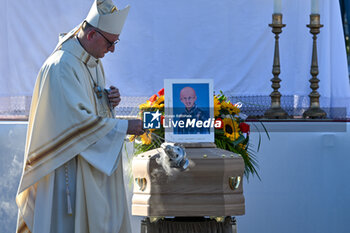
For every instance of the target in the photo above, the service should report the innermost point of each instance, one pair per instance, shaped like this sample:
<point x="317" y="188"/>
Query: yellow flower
<point x="159" y="100"/>
<point x="224" y="105"/>
<point x="242" y="146"/>
<point x="230" y="107"/>
<point x="158" y="106"/>
<point x="146" y="138"/>
<point x="231" y="129"/>
<point x="132" y="138"/>
<point x="145" y="105"/>
<point x="217" y="106"/>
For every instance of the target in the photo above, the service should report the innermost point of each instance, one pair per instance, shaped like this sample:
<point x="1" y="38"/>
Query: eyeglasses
<point x="109" y="42"/>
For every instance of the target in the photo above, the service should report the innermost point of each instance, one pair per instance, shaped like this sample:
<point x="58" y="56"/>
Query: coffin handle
<point x="142" y="183"/>
<point x="234" y="182"/>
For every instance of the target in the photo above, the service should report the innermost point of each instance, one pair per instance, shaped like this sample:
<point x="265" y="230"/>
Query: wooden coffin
<point x="211" y="186"/>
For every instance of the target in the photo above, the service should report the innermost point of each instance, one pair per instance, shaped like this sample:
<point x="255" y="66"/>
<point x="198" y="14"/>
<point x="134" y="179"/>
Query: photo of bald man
<point x="188" y="97"/>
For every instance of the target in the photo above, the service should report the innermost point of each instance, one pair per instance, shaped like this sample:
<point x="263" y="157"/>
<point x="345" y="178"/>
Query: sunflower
<point x="217" y="106"/>
<point x="231" y="129"/>
<point x="230" y="107"/>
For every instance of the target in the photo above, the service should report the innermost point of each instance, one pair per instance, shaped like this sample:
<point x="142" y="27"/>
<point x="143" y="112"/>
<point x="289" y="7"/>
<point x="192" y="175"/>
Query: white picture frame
<point x="180" y="106"/>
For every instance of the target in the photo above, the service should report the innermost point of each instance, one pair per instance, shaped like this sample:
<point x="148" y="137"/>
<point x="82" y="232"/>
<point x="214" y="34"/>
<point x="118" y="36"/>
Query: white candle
<point x="315" y="7"/>
<point x="277" y="6"/>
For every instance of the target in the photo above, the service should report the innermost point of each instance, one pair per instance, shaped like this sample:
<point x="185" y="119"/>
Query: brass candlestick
<point x="275" y="111"/>
<point x="314" y="110"/>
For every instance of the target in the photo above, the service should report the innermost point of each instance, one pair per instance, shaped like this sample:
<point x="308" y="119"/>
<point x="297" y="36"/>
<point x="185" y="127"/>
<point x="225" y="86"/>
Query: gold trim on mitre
<point x="114" y="9"/>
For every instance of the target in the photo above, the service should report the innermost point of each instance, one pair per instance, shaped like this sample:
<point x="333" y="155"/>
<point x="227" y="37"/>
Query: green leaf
<point x="239" y="140"/>
<point x="267" y="133"/>
<point x="259" y="136"/>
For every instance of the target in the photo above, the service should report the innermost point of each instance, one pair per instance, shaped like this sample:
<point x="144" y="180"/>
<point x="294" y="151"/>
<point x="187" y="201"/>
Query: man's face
<point x="102" y="43"/>
<point x="188" y="97"/>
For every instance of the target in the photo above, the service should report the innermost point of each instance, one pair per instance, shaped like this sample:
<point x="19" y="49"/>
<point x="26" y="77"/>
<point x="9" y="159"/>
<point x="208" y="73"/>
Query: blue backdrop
<point x="202" y="92"/>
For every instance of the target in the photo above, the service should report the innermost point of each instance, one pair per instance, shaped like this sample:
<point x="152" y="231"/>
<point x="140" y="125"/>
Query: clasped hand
<point x="114" y="96"/>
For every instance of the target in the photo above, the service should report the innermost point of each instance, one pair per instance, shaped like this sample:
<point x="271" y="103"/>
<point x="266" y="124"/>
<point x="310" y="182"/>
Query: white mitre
<point x="105" y="16"/>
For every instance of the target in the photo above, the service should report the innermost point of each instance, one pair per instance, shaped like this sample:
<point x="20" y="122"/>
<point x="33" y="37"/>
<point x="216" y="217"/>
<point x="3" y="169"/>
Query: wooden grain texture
<point x="199" y="145"/>
<point x="201" y="190"/>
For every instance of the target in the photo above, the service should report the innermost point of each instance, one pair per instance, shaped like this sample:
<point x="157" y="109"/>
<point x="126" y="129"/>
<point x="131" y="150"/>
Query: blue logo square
<point x="151" y="120"/>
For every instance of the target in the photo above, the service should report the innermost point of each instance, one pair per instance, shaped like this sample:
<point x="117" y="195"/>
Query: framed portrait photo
<point x="189" y="110"/>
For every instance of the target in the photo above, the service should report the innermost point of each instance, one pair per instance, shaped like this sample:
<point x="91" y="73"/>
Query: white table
<point x="304" y="186"/>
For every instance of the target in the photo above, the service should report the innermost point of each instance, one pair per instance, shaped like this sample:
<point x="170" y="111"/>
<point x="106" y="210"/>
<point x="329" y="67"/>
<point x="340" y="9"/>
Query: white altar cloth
<point x="227" y="40"/>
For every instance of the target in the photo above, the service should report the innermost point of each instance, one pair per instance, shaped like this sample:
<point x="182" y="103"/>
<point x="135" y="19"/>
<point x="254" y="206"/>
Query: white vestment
<point x="72" y="131"/>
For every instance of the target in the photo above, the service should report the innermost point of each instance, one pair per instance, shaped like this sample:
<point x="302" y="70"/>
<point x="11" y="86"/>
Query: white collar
<point x="74" y="47"/>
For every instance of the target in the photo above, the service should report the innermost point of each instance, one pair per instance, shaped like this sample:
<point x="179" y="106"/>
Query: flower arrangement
<point x="232" y="136"/>
<point x="152" y="138"/>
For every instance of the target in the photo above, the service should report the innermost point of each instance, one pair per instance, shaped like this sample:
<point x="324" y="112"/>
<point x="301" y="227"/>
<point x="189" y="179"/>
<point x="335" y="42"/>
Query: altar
<point x="303" y="185"/>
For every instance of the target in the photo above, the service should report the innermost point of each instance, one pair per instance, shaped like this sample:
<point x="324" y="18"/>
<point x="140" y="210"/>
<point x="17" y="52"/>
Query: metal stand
<point x="144" y="225"/>
<point x="193" y="224"/>
<point x="314" y="110"/>
<point x="234" y="225"/>
<point x="275" y="111"/>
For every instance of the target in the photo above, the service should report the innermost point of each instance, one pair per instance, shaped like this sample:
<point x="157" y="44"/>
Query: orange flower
<point x="160" y="100"/>
<point x="153" y="98"/>
<point x="146" y="138"/>
<point x="132" y="138"/>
